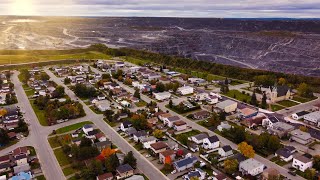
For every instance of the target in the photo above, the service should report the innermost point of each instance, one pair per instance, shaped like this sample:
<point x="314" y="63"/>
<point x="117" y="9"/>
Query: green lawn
<point x="20" y="56"/>
<point x="303" y="99"/>
<point x="40" y="177"/>
<point x="275" y="107"/>
<point x="68" y="170"/>
<point x="141" y="103"/>
<point x="278" y="161"/>
<point x="61" y="157"/>
<point x="40" y="114"/>
<point x="53" y="142"/>
<point x="238" y="95"/>
<point x="72" y="127"/>
<point x="29" y="92"/>
<point x="95" y="110"/>
<point x="287" y="103"/>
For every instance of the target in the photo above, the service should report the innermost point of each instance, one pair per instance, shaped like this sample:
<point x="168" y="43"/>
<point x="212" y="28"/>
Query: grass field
<point x="302" y="99"/>
<point x="20" y="56"/>
<point x="275" y="107"/>
<point x="40" y="177"/>
<point x="40" y="114"/>
<point x="68" y="170"/>
<point x="141" y="103"/>
<point x="287" y="103"/>
<point x="53" y="142"/>
<point x="238" y="95"/>
<point x="61" y="157"/>
<point x="72" y="127"/>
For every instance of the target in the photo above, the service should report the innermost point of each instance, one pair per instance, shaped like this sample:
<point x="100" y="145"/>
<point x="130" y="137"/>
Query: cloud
<point x="176" y="8"/>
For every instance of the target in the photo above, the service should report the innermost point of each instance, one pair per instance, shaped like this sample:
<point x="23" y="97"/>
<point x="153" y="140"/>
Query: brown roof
<point x="201" y="113"/>
<point x="20" y="150"/>
<point x="166" y="115"/>
<point x="153" y="120"/>
<point x="303" y="159"/>
<point x="12" y="134"/>
<point x="168" y="152"/>
<point x="179" y="123"/>
<point x="159" y="113"/>
<point x="105" y="176"/>
<point x="159" y="145"/>
<point x="247" y="111"/>
<point x="99" y="135"/>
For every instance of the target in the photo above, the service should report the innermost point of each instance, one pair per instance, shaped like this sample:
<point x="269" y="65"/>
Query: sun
<point x="22" y="7"/>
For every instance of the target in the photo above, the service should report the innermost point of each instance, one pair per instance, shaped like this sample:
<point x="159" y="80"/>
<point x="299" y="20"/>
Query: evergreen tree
<point x="137" y="94"/>
<point x="112" y="163"/>
<point x="130" y="159"/>
<point x="264" y="101"/>
<point x="253" y="100"/>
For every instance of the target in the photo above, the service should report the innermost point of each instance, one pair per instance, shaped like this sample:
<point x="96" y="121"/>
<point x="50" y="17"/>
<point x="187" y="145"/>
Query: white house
<point x="146" y="141"/>
<point x="301" y="137"/>
<point x="212" y="99"/>
<point x="251" y="167"/>
<point x="161" y="96"/>
<point x="202" y="96"/>
<point x="102" y="105"/>
<point x="87" y="128"/>
<point x="225" y="151"/>
<point x="101" y="97"/>
<point x="223" y="125"/>
<point x="180" y="125"/>
<point x="185" y="90"/>
<point x="302" y="163"/>
<point x="284" y="154"/>
<point x="227" y="106"/>
<point x="100" y="137"/>
<point x="198" y="139"/>
<point x="170" y="120"/>
<point x="211" y="142"/>
<point x="196" y="174"/>
<point x="269" y="122"/>
<point x="125" y="125"/>
<point x="139" y="135"/>
<point x="299" y="115"/>
<point x="312" y="118"/>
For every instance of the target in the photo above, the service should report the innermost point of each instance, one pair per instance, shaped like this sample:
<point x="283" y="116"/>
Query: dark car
<point x="292" y="173"/>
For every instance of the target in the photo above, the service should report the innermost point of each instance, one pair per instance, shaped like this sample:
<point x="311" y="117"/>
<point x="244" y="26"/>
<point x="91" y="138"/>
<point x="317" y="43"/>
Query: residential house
<point x="302" y="163"/>
<point x="102" y="105"/>
<point x="180" y="125"/>
<point x="158" y="147"/>
<point x="253" y="121"/>
<point x="281" y="129"/>
<point x="130" y="131"/>
<point x="20" y="151"/>
<point x="269" y="121"/>
<point x="167" y="154"/>
<point x="139" y="134"/>
<point x="11" y="116"/>
<point x="170" y="120"/>
<point x="103" y="144"/>
<point x="87" y="128"/>
<point x="227" y="106"/>
<point x="152" y="121"/>
<point x="201" y="115"/>
<point x="196" y="174"/>
<point x="185" y="163"/>
<point x="5" y="167"/>
<point x="225" y="151"/>
<point x="198" y="139"/>
<point x="185" y="90"/>
<point x="301" y="137"/>
<point x="247" y="112"/>
<point x="101" y="97"/>
<point x="21" y="159"/>
<point x="220" y="176"/>
<point x="146" y="141"/>
<point x="125" y="125"/>
<point x="211" y="142"/>
<point x="284" y="154"/>
<point x="212" y="99"/>
<point x="251" y="167"/>
<point x="279" y="93"/>
<point x="161" y="96"/>
<point x="224" y="125"/>
<point x="164" y="116"/>
<point x="299" y="115"/>
<point x="312" y="118"/>
<point x="105" y="176"/>
<point x="202" y="96"/>
<point x="21" y="168"/>
<point x="22" y="176"/>
<point x="119" y="64"/>
<point x="4" y="159"/>
<point x="270" y="173"/>
<point x="100" y="137"/>
<point x="124" y="171"/>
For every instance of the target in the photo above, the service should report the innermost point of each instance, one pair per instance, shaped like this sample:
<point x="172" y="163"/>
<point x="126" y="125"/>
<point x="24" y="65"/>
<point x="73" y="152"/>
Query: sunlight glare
<point x="22" y="7"/>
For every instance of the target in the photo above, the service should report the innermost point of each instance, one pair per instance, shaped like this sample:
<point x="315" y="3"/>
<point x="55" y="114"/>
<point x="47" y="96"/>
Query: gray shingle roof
<point x="124" y="168"/>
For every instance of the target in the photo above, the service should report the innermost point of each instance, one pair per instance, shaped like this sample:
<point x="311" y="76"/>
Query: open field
<point x="287" y="103"/>
<point x="238" y="95"/>
<point x="19" y="56"/>
<point x="72" y="127"/>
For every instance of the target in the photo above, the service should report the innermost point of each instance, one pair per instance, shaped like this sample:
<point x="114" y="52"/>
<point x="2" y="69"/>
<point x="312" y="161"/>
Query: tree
<point x="85" y="142"/>
<point x="160" y="87"/>
<point x="231" y="166"/>
<point x="274" y="143"/>
<point x="303" y="128"/>
<point x="222" y="116"/>
<point x="67" y="80"/>
<point x="44" y="76"/>
<point x="3" y="112"/>
<point x="128" y="81"/>
<point x="316" y="162"/>
<point x="246" y="149"/>
<point x="130" y="159"/>
<point x="96" y="167"/>
<point x="58" y="92"/>
<point x="170" y="104"/>
<point x="282" y="81"/>
<point x="4" y="138"/>
<point x="264" y="101"/>
<point x="112" y="163"/>
<point x="158" y="133"/>
<point x="253" y="100"/>
<point x="310" y="173"/>
<point x="304" y="90"/>
<point x="136" y="93"/>
<point x="24" y="76"/>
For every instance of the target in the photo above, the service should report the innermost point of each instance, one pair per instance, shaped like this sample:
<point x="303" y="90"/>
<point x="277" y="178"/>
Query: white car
<point x="148" y="155"/>
<point x="173" y="172"/>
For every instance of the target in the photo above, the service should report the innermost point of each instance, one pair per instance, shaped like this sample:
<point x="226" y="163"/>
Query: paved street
<point x="194" y="125"/>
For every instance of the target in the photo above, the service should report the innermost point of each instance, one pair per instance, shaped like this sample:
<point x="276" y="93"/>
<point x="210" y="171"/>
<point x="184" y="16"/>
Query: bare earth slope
<point x="291" y="46"/>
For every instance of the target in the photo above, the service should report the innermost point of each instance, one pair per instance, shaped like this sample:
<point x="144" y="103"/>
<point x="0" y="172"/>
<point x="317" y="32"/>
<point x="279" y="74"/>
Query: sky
<point x="165" y="8"/>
